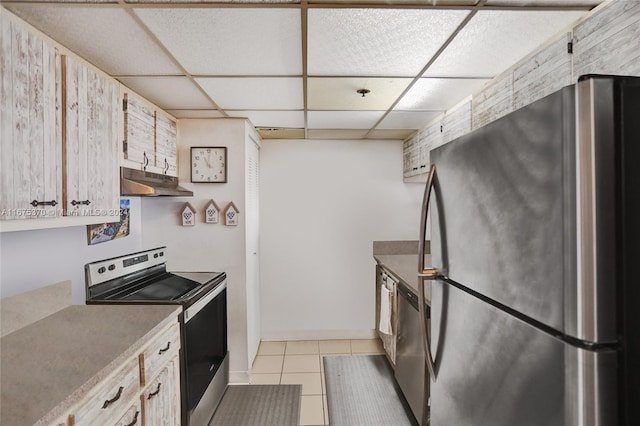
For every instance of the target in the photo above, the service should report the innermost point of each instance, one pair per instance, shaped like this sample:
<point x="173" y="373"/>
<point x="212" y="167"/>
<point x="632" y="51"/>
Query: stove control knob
<point x="101" y="270"/>
<point x="112" y="267"/>
<point x="161" y="253"/>
<point x="155" y="255"/>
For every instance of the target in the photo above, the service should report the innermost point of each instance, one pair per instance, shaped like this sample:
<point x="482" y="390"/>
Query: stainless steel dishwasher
<point x="410" y="370"/>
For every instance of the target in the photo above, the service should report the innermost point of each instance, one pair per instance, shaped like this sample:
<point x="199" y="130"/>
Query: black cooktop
<point x="171" y="287"/>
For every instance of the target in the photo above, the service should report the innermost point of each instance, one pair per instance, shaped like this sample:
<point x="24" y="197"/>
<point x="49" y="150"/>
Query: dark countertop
<point x="47" y="367"/>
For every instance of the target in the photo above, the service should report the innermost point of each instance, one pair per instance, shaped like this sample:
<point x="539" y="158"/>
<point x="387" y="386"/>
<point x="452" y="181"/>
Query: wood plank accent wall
<point x="30" y="121"/>
<point x="603" y="43"/>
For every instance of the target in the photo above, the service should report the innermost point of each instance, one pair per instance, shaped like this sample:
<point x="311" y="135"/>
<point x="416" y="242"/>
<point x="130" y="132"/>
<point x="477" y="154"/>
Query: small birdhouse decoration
<point x="188" y="215"/>
<point x="231" y="215"/>
<point x="212" y="212"/>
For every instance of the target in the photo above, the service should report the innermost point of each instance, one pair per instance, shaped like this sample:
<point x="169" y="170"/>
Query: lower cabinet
<point x="127" y="398"/>
<point x="160" y="401"/>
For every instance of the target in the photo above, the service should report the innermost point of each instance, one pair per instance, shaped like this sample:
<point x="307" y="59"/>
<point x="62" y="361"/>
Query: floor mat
<point x="259" y="405"/>
<point x="361" y="390"/>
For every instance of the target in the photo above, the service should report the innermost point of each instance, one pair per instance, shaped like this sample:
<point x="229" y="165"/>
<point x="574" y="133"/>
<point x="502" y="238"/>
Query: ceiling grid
<point x="295" y="68"/>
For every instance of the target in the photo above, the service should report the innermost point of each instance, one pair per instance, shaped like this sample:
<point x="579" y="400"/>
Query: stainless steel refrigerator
<point x="535" y="308"/>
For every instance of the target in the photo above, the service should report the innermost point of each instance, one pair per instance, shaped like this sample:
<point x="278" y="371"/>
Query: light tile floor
<point x="300" y="362"/>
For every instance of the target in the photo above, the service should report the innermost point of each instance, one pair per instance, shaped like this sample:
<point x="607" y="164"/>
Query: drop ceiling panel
<point x="341" y="93"/>
<point x="408" y="119"/>
<point x="281" y="133"/>
<point x="277" y="119"/>
<point x="390" y="134"/>
<point x="553" y="3"/>
<point x="336" y="134"/>
<point x="168" y="92"/>
<point x="107" y="37"/>
<point x="254" y="93"/>
<point x="494" y="40"/>
<point x="223" y="41"/>
<point x="343" y="119"/>
<point x="376" y="42"/>
<point x="438" y="93"/>
<point x="195" y="113"/>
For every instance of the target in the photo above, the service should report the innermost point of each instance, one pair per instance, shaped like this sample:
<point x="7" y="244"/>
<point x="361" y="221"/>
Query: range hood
<point x="139" y="182"/>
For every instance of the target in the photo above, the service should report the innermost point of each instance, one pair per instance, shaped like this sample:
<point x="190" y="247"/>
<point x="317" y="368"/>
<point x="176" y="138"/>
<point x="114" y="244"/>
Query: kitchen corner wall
<point x="322" y="204"/>
<point x="209" y="247"/>
<point x="34" y="259"/>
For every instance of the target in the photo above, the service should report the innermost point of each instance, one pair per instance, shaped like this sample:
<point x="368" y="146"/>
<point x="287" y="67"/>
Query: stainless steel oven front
<point x="206" y="365"/>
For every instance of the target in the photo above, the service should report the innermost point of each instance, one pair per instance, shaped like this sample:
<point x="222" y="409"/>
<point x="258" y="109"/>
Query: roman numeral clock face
<point x="208" y="164"/>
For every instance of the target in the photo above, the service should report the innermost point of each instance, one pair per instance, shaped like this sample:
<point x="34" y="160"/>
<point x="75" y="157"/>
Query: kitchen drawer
<point x="158" y="353"/>
<point x="111" y="398"/>
<point x="133" y="416"/>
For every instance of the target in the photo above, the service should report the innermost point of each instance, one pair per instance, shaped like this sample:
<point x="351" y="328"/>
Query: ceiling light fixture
<point x="363" y="92"/>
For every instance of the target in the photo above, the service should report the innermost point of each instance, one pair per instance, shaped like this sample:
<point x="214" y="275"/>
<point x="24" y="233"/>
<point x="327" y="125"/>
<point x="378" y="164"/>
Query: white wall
<point x="322" y="204"/>
<point x="208" y="247"/>
<point x="34" y="259"/>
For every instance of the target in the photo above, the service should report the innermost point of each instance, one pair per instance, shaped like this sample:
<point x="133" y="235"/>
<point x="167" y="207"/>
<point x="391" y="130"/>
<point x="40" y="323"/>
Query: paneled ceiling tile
<point x="168" y="92"/>
<point x="281" y="133"/>
<point x="253" y="93"/>
<point x="277" y="119"/>
<point x="494" y="40"/>
<point x="408" y="119"/>
<point x="376" y="42"/>
<point x="439" y="93"/>
<point x="223" y="41"/>
<point x="107" y="37"/>
<point x="343" y="119"/>
<point x="390" y="134"/>
<point x="211" y="1"/>
<point x="337" y="134"/>
<point x="195" y="113"/>
<point x="553" y="3"/>
<point x="341" y="93"/>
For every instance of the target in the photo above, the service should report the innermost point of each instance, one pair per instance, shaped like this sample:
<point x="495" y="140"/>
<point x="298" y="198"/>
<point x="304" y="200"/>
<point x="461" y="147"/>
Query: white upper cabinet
<point x="30" y="123"/>
<point x="91" y="141"/>
<point x="150" y="137"/>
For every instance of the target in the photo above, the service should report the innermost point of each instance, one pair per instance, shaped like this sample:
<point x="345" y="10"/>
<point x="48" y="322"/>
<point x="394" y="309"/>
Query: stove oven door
<point x="205" y="350"/>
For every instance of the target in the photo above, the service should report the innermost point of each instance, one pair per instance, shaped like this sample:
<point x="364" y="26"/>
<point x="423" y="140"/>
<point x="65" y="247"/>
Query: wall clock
<point x="208" y="164"/>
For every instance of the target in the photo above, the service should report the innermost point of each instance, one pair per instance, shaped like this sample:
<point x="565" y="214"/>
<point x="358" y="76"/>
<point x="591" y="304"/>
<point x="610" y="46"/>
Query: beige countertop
<point x="404" y="267"/>
<point x="48" y="366"/>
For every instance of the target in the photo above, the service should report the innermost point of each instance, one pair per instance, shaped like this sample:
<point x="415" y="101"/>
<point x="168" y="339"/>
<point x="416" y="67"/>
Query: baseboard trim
<point x="238" y="377"/>
<point x="318" y="335"/>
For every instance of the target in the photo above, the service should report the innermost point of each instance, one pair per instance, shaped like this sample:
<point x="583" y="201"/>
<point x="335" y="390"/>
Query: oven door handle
<point x="204" y="301"/>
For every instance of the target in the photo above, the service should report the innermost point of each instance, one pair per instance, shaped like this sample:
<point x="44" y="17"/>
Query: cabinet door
<point x="30" y="125"/>
<point x="91" y="142"/>
<point x="139" y="130"/>
<point x="161" y="398"/>
<point x="166" y="145"/>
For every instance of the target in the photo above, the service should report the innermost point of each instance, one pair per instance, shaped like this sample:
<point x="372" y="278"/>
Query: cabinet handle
<point x="165" y="349"/>
<point x="145" y="161"/>
<point x="108" y="402"/>
<point x="78" y="203"/>
<point x="152" y="394"/>
<point x="166" y="166"/>
<point x="36" y="203"/>
<point x="135" y="419"/>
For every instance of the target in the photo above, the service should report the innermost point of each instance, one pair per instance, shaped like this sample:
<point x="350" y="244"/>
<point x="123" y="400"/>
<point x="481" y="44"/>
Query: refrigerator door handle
<point x="425" y="274"/>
